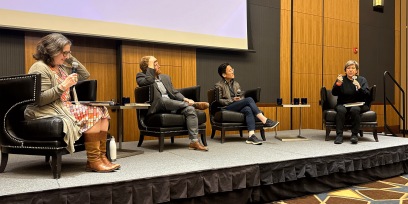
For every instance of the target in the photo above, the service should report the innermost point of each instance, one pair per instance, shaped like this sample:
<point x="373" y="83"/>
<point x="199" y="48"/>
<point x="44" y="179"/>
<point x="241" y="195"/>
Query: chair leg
<point x="375" y="134"/>
<point x="204" y="139"/>
<point x="361" y="133"/>
<point x="4" y="159"/>
<point x="172" y="140"/>
<point x="327" y="133"/>
<point x="47" y="158"/>
<point x="141" y="138"/>
<point x="212" y="133"/>
<point x="56" y="165"/>
<point x="263" y="134"/>
<point x="161" y="143"/>
<point x="222" y="136"/>
<point x="240" y="133"/>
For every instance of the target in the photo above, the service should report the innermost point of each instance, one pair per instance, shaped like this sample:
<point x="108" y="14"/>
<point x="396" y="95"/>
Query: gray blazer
<point x="143" y="79"/>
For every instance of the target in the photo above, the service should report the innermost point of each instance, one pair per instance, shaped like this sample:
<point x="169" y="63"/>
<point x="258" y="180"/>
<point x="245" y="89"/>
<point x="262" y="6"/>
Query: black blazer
<point x="143" y="79"/>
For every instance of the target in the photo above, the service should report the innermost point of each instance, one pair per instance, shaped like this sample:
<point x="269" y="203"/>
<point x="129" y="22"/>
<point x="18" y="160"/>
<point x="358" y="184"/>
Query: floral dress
<point x="88" y="116"/>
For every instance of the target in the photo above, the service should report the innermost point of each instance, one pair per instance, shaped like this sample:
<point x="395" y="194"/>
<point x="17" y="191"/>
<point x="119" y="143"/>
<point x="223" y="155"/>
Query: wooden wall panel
<point x="97" y="55"/>
<point x="177" y="62"/>
<point x="312" y="7"/>
<point x="307" y="61"/>
<point x="284" y="116"/>
<point x="307" y="29"/>
<point x="303" y="63"/>
<point x="346" y="10"/>
<point x="340" y="33"/>
<point x="189" y="72"/>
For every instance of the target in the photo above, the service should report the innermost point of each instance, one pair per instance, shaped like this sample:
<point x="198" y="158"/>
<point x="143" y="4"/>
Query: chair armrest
<point x="192" y="93"/>
<point x="86" y="90"/>
<point x="254" y="94"/>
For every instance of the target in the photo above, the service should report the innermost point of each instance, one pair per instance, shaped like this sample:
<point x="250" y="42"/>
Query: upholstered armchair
<point x="168" y="124"/>
<point x="224" y="120"/>
<point x="328" y="102"/>
<point x="34" y="137"/>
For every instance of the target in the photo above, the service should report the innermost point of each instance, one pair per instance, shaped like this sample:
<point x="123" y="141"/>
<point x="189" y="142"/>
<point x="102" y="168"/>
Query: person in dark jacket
<point x="233" y="101"/>
<point x="167" y="98"/>
<point x="350" y="88"/>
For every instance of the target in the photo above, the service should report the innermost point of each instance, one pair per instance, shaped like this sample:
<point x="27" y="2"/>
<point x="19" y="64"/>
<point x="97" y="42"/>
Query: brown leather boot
<point x="93" y="152"/>
<point x="197" y="146"/>
<point x="201" y="105"/>
<point x="103" y="138"/>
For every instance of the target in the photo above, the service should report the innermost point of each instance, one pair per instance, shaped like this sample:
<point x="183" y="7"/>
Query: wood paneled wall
<point x="324" y="35"/>
<point x="178" y="62"/>
<point x="97" y="55"/>
<point x="307" y="60"/>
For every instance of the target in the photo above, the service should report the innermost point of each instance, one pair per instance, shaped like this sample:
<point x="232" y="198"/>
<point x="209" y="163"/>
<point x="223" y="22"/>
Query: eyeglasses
<point x="66" y="53"/>
<point x="231" y="71"/>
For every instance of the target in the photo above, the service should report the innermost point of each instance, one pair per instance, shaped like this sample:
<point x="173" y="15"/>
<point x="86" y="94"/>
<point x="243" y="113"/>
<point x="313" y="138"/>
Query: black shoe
<point x="270" y="124"/>
<point x="339" y="139"/>
<point x="354" y="139"/>
<point x="253" y="140"/>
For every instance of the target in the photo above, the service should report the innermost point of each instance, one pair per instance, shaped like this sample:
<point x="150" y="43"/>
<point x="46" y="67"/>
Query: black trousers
<point x="354" y="112"/>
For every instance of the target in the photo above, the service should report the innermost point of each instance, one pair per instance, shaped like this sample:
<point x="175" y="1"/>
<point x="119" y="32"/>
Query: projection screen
<point x="209" y="23"/>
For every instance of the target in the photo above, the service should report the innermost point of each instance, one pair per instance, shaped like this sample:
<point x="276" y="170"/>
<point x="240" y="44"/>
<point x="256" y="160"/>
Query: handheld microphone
<point x="74" y="67"/>
<point x="238" y="92"/>
<point x="354" y="79"/>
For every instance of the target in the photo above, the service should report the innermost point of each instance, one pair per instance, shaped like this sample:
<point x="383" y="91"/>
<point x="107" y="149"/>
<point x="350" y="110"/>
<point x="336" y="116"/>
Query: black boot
<point x="354" y="138"/>
<point x="339" y="139"/>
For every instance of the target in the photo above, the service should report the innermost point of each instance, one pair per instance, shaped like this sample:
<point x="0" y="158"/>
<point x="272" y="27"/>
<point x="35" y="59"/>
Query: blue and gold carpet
<point x="387" y="191"/>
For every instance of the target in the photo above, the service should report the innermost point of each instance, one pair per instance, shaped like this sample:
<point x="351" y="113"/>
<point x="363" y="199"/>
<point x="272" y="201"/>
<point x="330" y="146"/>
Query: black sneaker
<point x="253" y="140"/>
<point x="354" y="139"/>
<point x="270" y="124"/>
<point x="339" y="139"/>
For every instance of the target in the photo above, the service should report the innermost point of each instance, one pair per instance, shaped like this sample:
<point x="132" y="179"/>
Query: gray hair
<point x="49" y="47"/>
<point x="351" y="62"/>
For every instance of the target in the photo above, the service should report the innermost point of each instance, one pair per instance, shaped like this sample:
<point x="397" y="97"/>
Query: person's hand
<point x="355" y="82"/>
<point x="237" y="98"/>
<point x="190" y="102"/>
<point x="340" y="79"/>
<point x="70" y="81"/>
<point x="152" y="60"/>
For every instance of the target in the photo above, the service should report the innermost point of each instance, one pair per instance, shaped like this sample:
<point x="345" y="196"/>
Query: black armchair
<point x="35" y="137"/>
<point x="163" y="125"/>
<point x="328" y="102"/>
<point x="224" y="120"/>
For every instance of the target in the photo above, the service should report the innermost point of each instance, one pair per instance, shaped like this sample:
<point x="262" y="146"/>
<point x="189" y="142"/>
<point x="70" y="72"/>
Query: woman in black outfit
<point x="349" y="89"/>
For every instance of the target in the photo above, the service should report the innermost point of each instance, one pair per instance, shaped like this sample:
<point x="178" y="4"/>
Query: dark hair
<point x="49" y="47"/>
<point x="222" y="69"/>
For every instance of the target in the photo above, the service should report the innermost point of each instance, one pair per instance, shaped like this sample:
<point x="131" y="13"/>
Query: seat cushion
<point x="226" y="116"/>
<point x="172" y="119"/>
<point x="47" y="129"/>
<point x="369" y="116"/>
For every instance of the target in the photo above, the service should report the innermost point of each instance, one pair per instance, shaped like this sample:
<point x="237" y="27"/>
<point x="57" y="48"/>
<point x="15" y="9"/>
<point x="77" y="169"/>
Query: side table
<point x="126" y="152"/>
<point x="292" y="137"/>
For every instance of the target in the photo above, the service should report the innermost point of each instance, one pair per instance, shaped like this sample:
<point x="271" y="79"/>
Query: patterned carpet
<point x="387" y="191"/>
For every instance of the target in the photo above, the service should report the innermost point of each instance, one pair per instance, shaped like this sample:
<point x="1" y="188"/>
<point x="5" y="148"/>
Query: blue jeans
<point x="248" y="107"/>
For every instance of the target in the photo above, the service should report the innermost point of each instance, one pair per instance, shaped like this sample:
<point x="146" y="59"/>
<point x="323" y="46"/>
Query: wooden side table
<point x="126" y="152"/>
<point x="292" y="137"/>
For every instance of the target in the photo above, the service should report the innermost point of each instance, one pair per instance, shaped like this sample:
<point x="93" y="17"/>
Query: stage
<point x="233" y="172"/>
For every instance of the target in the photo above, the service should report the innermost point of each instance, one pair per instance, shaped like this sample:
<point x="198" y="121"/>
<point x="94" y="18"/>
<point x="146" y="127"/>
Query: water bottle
<point x="112" y="149"/>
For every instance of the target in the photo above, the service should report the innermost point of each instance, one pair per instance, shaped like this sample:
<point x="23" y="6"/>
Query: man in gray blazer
<point x="167" y="98"/>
